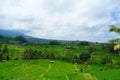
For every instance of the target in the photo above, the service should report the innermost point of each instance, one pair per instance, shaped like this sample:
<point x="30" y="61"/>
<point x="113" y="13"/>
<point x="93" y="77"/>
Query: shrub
<point x="84" y="57"/>
<point x="55" y="42"/>
<point x="106" y="60"/>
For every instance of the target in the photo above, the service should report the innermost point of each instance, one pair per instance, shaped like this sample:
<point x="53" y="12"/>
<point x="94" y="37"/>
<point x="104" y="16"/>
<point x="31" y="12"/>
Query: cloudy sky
<point x="61" y="19"/>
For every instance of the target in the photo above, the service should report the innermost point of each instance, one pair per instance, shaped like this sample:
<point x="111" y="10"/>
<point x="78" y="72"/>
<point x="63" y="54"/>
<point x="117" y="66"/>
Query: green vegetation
<point x="116" y="41"/>
<point x="44" y="70"/>
<point x="58" y="60"/>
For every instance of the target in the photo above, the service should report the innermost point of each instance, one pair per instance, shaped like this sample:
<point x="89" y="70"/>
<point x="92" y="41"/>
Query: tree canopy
<point x="21" y="39"/>
<point x="114" y="28"/>
<point x="116" y="41"/>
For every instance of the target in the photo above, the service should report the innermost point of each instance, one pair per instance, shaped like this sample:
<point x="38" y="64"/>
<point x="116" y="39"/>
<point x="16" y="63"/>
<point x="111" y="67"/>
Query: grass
<point x="44" y="70"/>
<point x="33" y="69"/>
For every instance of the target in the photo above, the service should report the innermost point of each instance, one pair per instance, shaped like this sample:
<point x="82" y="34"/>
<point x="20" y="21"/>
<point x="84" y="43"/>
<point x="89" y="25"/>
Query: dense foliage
<point x="12" y="40"/>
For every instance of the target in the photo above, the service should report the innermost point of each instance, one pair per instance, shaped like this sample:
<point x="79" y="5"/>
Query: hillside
<point x="13" y="33"/>
<point x="58" y="62"/>
<point x="44" y="70"/>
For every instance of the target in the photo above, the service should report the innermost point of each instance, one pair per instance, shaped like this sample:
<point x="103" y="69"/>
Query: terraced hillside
<point x="37" y="70"/>
<point x="57" y="70"/>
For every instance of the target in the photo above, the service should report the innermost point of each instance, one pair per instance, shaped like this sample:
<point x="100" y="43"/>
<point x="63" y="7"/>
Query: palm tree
<point x="114" y="28"/>
<point x="116" y="41"/>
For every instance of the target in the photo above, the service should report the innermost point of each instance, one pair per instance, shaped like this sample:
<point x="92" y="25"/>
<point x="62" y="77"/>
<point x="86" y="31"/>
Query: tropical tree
<point x="116" y="41"/>
<point x="5" y="49"/>
<point x="84" y="57"/>
<point x="55" y="42"/>
<point x="31" y="54"/>
<point x="20" y="39"/>
<point x="114" y="28"/>
<point x="1" y="54"/>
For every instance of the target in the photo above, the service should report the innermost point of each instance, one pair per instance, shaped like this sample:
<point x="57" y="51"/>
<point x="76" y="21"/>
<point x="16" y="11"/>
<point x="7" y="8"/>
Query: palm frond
<point x="114" y="41"/>
<point x="114" y="28"/>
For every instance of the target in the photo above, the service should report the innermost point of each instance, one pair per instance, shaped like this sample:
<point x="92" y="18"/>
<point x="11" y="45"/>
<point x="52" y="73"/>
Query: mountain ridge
<point x="14" y="33"/>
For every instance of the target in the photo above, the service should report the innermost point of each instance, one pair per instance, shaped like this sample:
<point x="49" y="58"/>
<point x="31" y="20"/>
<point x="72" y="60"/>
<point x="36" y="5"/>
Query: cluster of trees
<point x="83" y="43"/>
<point x="45" y="54"/>
<point x="4" y="39"/>
<point x="55" y="42"/>
<point x="20" y="39"/>
<point x="13" y="40"/>
<point x="68" y="56"/>
<point x="4" y="53"/>
<point x="31" y="54"/>
<point x="80" y="43"/>
<point x="35" y="54"/>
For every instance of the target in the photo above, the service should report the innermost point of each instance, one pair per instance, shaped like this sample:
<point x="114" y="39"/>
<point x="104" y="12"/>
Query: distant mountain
<point x="13" y="33"/>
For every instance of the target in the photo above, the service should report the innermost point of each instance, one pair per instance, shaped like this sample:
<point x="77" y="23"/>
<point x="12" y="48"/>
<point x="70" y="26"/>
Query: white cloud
<point x="61" y="19"/>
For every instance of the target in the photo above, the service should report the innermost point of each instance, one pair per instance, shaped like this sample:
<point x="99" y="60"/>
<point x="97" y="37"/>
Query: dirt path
<point x="42" y="75"/>
<point x="67" y="77"/>
<point x="75" y="67"/>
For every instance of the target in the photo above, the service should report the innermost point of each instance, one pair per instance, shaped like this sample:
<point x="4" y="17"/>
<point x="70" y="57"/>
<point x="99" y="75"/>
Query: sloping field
<point x="57" y="70"/>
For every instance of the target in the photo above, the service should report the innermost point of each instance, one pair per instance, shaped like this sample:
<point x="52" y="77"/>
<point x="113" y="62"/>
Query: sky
<point x="61" y="19"/>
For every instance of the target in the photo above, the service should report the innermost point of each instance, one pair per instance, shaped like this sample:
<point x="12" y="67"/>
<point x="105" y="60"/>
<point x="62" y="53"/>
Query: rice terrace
<point x="59" y="40"/>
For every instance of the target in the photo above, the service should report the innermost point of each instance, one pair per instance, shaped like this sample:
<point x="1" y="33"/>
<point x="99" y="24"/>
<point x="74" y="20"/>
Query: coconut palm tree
<point x="116" y="41"/>
<point x="114" y="28"/>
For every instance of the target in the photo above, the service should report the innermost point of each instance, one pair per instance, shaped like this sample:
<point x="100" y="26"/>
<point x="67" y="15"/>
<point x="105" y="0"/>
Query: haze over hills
<point x="13" y="33"/>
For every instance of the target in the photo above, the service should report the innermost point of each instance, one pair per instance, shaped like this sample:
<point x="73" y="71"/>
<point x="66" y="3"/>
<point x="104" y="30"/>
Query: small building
<point x="51" y="62"/>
